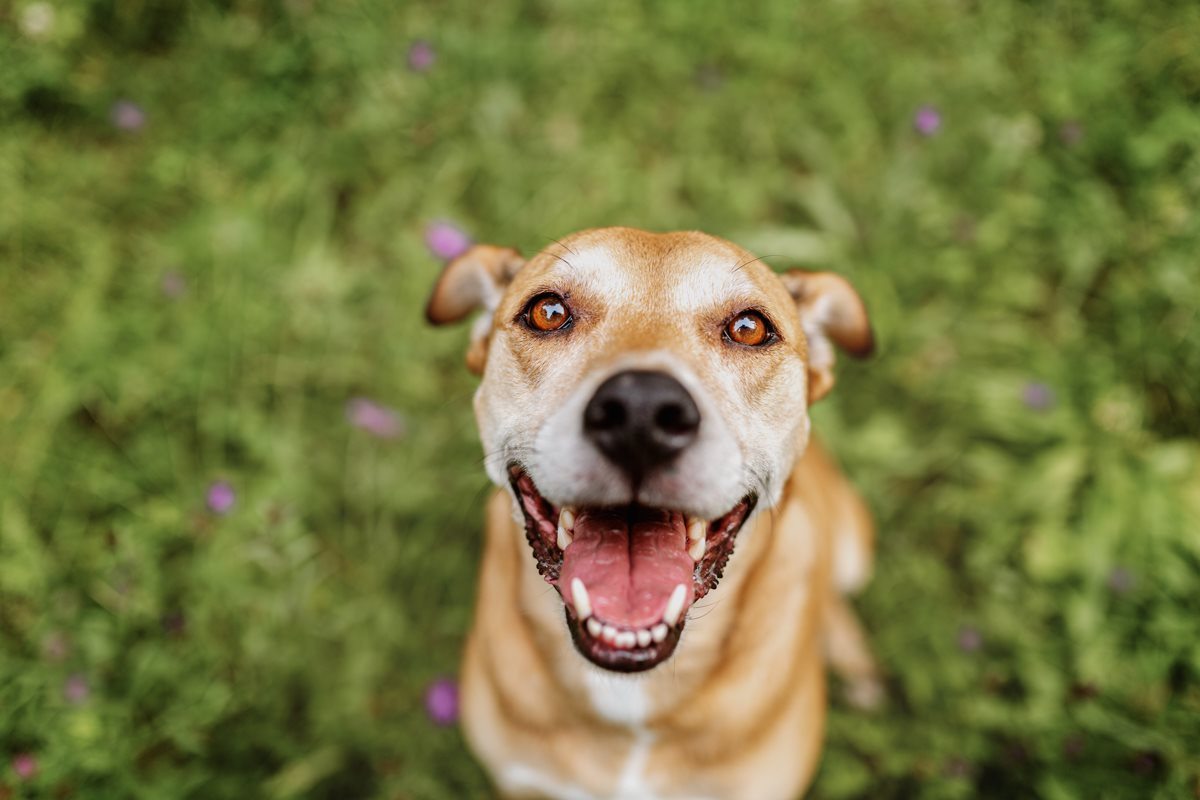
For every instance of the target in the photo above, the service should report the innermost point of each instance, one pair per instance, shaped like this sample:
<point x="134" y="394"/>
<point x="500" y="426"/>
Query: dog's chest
<point x="623" y="701"/>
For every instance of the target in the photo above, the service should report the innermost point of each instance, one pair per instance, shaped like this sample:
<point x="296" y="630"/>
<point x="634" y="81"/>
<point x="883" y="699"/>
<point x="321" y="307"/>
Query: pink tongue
<point x="629" y="573"/>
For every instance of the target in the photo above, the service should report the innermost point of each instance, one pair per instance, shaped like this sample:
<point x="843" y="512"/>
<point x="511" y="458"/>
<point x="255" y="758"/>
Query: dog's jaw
<point x="627" y="576"/>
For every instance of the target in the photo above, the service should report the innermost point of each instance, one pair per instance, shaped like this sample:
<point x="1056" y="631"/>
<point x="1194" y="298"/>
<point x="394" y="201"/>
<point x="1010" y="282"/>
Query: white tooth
<point x="659" y="632"/>
<point x="643" y="637"/>
<point x="594" y="627"/>
<point x="697" y="528"/>
<point x="583" y="603"/>
<point x="675" y="605"/>
<point x="608" y="633"/>
<point x="564" y="538"/>
<point x="626" y="639"/>
<point x="566" y="519"/>
<point x="696" y="548"/>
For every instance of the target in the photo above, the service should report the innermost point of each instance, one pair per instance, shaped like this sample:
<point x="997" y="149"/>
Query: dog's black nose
<point x="641" y="420"/>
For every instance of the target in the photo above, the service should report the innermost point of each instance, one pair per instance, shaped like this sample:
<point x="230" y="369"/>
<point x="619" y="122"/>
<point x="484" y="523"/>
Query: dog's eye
<point x="750" y="329"/>
<point x="547" y="312"/>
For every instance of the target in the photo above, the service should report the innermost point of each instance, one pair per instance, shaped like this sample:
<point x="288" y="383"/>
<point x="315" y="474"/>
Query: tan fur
<point x="738" y="711"/>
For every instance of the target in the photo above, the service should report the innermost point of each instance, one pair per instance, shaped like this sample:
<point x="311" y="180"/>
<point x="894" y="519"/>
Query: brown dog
<point x="644" y="403"/>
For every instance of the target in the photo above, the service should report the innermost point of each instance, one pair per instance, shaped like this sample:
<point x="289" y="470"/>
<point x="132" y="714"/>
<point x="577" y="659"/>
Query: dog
<point x="668" y="555"/>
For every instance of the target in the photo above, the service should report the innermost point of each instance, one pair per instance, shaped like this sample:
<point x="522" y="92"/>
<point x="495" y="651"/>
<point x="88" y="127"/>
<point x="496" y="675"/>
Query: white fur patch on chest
<point x="620" y="699"/>
<point x="523" y="779"/>
<point x="631" y="783"/>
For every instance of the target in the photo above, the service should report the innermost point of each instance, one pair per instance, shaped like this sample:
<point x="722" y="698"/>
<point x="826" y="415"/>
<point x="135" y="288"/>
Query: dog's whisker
<point x="747" y="263"/>
<point x="562" y="245"/>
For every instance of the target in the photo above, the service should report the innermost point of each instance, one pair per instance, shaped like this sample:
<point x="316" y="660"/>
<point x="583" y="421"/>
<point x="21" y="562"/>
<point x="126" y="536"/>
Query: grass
<point x="211" y="242"/>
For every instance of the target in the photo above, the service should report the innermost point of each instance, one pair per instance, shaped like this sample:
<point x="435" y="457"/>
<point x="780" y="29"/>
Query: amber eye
<point x="751" y="329"/>
<point x="546" y="313"/>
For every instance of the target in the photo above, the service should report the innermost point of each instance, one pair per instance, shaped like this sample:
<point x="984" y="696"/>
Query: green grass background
<point x="1026" y="434"/>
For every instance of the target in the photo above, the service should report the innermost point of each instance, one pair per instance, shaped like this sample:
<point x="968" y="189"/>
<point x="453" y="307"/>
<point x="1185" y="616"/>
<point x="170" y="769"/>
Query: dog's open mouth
<point x="627" y="575"/>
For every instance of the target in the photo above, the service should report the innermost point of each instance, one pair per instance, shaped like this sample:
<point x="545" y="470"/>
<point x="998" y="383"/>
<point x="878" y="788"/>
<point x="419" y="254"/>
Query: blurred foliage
<point x="210" y="242"/>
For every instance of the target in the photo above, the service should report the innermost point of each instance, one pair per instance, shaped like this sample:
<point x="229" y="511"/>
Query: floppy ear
<point x="831" y="313"/>
<point x="474" y="281"/>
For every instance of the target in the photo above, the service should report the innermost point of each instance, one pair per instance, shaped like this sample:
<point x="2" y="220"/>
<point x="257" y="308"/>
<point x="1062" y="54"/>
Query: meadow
<point x="240" y="486"/>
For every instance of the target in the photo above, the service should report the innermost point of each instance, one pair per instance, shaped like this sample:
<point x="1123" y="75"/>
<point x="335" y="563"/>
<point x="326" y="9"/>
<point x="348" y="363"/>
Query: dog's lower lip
<point x="636" y="658"/>
<point x="644" y="638"/>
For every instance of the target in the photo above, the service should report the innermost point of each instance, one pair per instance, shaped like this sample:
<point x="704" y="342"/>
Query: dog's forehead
<point x="688" y="271"/>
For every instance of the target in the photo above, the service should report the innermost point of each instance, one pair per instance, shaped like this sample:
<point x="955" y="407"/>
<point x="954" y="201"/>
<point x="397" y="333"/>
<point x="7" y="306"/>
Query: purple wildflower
<point x="174" y="623"/>
<point x="221" y="497"/>
<point x="25" y="765"/>
<point x="1017" y="753"/>
<point x="446" y="240"/>
<point x="173" y="284"/>
<point x="927" y="120"/>
<point x="709" y="77"/>
<point x="1070" y="133"/>
<point x="56" y="647"/>
<point x="375" y="419"/>
<point x="128" y="116"/>
<point x="1073" y="746"/>
<point x="1037" y="396"/>
<point x="969" y="639"/>
<point x="1121" y="581"/>
<point x="1084" y="690"/>
<point x="441" y="701"/>
<point x="1147" y="762"/>
<point x="76" y="690"/>
<point x="421" y="56"/>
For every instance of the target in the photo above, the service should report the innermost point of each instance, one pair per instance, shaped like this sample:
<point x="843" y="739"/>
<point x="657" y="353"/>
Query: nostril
<point x="613" y="414"/>
<point x="607" y="415"/>
<point x="672" y="418"/>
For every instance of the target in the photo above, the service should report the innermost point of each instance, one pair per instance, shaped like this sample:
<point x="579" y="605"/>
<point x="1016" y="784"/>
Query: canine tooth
<point x="566" y="518"/>
<point x="644" y="638"/>
<point x="583" y="603"/>
<point x="626" y="639"/>
<point x="564" y="536"/>
<point x="697" y="529"/>
<point x="696" y="548"/>
<point x="594" y="627"/>
<point x="659" y="632"/>
<point x="608" y="633"/>
<point x="675" y="605"/>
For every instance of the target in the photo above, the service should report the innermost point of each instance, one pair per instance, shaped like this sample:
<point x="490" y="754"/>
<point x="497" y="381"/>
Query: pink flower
<point x="174" y="285"/>
<point x="56" y="647"/>
<point x="446" y="240"/>
<point x="969" y="639"/>
<point x="221" y="497"/>
<point x="1121" y="580"/>
<point x="441" y="701"/>
<point x="76" y="689"/>
<point x="375" y="419"/>
<point x="1037" y="396"/>
<point x="128" y="116"/>
<point x="1071" y="133"/>
<point x="421" y="56"/>
<point x="927" y="120"/>
<point x="25" y="765"/>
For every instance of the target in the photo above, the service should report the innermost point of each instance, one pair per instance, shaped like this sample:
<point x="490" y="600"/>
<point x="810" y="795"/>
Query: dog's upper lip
<point x="627" y="575"/>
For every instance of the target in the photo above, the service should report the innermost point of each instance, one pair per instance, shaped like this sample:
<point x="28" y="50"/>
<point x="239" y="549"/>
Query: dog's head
<point x="641" y="394"/>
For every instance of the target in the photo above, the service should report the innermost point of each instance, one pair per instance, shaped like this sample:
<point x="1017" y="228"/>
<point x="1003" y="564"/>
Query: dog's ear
<point x="474" y="281"/>
<point x="831" y="313"/>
